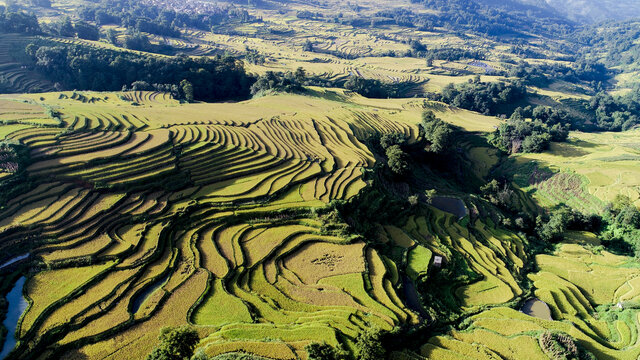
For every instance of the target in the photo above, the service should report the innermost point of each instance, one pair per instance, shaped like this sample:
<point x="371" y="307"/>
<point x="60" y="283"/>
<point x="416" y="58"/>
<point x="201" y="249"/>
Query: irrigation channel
<point x="14" y="260"/>
<point x="17" y="305"/>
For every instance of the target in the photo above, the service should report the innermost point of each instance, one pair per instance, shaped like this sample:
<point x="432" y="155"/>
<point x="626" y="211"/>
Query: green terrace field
<point x="592" y="296"/>
<point x="584" y="173"/>
<point x="14" y="77"/>
<point x="145" y="212"/>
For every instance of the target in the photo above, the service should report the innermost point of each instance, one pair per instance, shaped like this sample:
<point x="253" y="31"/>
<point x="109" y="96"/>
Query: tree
<point x="389" y="139"/>
<point x="65" y="28"/>
<point x="308" y="46"/>
<point x="536" y="143"/>
<point x="187" y="90"/>
<point x="553" y="229"/>
<point x="397" y="160"/>
<point x="413" y="200"/>
<point x="87" y="31"/>
<point x="369" y="345"/>
<point x="137" y="41"/>
<point x="300" y="75"/>
<point x="323" y="351"/>
<point x="429" y="195"/>
<point x="112" y="37"/>
<point x="417" y="46"/>
<point x="176" y="343"/>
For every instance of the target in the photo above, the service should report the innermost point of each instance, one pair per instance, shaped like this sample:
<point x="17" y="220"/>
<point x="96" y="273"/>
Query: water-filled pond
<point x="451" y="205"/>
<point x="17" y="305"/>
<point x="537" y="308"/>
<point x="413" y="298"/>
<point x="140" y="298"/>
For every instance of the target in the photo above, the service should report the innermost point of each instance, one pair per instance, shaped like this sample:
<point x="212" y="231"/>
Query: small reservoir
<point x="451" y="205"/>
<point x="537" y="308"/>
<point x="17" y="305"/>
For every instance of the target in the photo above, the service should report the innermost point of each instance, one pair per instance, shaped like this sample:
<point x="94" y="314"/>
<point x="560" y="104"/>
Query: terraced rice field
<point x="152" y="213"/>
<point x="585" y="173"/>
<point x="14" y="77"/>
<point x="496" y="256"/>
<point x="591" y="297"/>
<point x="145" y="216"/>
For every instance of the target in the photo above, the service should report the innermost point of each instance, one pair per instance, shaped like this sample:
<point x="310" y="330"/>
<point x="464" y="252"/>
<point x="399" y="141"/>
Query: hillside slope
<point x="592" y="10"/>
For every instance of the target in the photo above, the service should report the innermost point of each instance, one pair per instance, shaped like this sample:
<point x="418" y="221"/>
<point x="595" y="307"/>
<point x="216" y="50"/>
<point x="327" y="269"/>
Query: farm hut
<point x="437" y="261"/>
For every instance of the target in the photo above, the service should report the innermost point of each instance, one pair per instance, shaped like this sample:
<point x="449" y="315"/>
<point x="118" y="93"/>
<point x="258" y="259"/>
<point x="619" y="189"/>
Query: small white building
<point x="437" y="261"/>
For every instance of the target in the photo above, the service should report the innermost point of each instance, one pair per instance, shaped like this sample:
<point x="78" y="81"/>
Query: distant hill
<point x="592" y="10"/>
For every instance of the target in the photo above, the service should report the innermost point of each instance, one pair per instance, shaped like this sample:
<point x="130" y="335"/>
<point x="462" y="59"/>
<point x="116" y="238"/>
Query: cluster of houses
<point x="189" y="7"/>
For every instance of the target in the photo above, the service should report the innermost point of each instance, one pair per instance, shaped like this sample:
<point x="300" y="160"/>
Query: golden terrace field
<point x="582" y="289"/>
<point x="150" y="213"/>
<point x="237" y="253"/>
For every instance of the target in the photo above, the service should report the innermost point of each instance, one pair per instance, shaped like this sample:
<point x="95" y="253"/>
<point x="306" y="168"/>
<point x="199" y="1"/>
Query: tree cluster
<point x="454" y="54"/>
<point x="614" y="41"/>
<point x="541" y="75"/>
<point x="531" y="130"/>
<point x="551" y="228"/>
<point x="487" y="98"/>
<point x="18" y="22"/>
<point x="493" y="18"/>
<point x="437" y="133"/>
<point x="373" y="88"/>
<point x="324" y="351"/>
<point x="41" y="3"/>
<point x="622" y="226"/>
<point x="616" y="113"/>
<point x="159" y="20"/>
<point x="289" y="82"/>
<point x="500" y="194"/>
<point x="66" y="28"/>
<point x="84" y="68"/>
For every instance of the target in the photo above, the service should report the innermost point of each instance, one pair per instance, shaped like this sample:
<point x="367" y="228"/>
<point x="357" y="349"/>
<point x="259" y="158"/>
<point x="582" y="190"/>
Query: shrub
<point x="369" y="345"/>
<point x="175" y="344"/>
<point x="324" y="351"/>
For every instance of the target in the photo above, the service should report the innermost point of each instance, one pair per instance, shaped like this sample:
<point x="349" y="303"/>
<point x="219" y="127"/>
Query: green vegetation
<point x="80" y="67"/>
<point x="175" y="344"/>
<point x="488" y="98"/>
<point x="438" y="133"/>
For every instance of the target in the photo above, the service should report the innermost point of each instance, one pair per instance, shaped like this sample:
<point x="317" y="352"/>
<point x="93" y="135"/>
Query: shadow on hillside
<point x="570" y="149"/>
<point x="582" y="143"/>
<point x="75" y="355"/>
